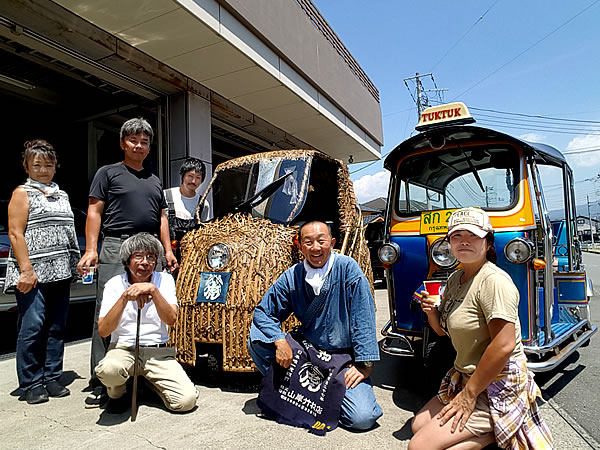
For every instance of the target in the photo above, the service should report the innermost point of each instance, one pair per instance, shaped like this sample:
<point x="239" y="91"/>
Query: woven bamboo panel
<point x="260" y="252"/>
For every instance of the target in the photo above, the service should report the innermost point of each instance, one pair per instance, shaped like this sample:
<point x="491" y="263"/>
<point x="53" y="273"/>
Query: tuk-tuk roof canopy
<point x="437" y="137"/>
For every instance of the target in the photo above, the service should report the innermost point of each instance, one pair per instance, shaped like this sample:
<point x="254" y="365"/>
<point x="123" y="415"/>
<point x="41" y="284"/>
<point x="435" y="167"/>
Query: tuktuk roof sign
<point x="448" y="114"/>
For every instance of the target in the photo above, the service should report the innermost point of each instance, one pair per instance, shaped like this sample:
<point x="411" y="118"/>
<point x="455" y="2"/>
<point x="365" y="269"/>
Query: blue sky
<point x="530" y="57"/>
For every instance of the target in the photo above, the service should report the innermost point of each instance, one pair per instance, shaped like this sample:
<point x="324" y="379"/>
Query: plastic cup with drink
<point x="433" y="288"/>
<point x="88" y="275"/>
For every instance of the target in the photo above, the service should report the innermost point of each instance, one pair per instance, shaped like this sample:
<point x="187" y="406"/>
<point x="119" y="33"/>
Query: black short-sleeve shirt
<point x="133" y="199"/>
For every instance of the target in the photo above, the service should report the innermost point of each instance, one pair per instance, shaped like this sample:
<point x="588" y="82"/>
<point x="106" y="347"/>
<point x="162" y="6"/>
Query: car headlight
<point x="519" y="250"/>
<point x="389" y="253"/>
<point x="218" y="256"/>
<point x="441" y="254"/>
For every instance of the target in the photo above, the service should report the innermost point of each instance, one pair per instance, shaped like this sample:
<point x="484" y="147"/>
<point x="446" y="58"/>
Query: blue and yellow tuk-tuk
<point x="451" y="164"/>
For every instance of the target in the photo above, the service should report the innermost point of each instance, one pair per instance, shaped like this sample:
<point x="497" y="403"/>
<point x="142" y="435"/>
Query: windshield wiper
<point x="472" y="167"/>
<point x="261" y="195"/>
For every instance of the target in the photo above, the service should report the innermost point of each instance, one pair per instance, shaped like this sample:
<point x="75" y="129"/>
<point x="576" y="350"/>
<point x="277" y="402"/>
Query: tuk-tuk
<point x="229" y="263"/>
<point x="451" y="164"/>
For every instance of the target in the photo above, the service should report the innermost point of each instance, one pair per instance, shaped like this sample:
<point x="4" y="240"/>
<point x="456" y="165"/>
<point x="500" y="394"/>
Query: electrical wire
<point x="527" y="49"/>
<point x="364" y="167"/>
<point x="535" y="116"/>
<point x="558" y="125"/>
<point x="543" y="129"/>
<point x="463" y="36"/>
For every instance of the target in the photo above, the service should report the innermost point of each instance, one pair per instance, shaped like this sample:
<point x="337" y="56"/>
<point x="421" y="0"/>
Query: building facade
<point x="216" y="79"/>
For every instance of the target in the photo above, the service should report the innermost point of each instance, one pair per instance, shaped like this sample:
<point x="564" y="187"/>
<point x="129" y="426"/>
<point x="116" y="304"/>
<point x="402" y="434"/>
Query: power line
<point x="559" y="125"/>
<point x="573" y="152"/>
<point x="464" y="35"/>
<point x="539" y="129"/>
<point x="528" y="48"/>
<point x="536" y="116"/>
<point x="364" y="167"/>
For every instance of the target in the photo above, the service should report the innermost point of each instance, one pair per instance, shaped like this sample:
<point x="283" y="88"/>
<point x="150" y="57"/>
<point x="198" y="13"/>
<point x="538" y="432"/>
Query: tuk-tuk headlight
<point x="441" y="254"/>
<point x="218" y="256"/>
<point x="389" y="253"/>
<point x="519" y="250"/>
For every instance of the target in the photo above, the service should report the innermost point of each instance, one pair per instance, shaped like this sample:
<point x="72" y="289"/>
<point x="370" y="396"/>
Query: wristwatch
<point x="365" y="364"/>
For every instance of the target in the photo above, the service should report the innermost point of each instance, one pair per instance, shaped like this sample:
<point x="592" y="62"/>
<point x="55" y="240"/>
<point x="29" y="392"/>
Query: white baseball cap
<point x="474" y="220"/>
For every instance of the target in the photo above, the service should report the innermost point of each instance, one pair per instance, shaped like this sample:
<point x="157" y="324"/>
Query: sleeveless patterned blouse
<point x="50" y="237"/>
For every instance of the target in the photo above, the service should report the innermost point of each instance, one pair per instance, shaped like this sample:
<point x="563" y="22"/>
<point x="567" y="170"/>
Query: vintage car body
<point x="229" y="263"/>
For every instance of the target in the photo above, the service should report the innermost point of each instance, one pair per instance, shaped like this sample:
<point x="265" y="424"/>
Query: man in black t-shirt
<point x="125" y="199"/>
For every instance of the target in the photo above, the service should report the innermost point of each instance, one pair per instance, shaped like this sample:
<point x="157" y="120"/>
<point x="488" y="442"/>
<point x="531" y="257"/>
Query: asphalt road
<point x="575" y="385"/>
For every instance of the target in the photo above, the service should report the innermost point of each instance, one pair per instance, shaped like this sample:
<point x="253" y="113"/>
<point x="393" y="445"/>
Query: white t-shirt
<point x="185" y="207"/>
<point x="152" y="329"/>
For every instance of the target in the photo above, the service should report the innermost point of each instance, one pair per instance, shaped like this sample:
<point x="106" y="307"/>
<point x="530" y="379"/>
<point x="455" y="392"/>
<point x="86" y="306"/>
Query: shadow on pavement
<point x="405" y="433"/>
<point x="551" y="383"/>
<point x="251" y="408"/>
<point x="66" y="379"/>
<point x="237" y="382"/>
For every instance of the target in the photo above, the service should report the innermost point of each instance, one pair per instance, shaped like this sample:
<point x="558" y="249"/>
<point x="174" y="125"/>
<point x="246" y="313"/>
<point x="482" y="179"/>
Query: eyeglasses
<point x="138" y="257"/>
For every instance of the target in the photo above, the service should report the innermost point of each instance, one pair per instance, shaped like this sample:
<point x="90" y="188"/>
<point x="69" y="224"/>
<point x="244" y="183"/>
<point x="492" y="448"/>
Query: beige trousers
<point x="157" y="365"/>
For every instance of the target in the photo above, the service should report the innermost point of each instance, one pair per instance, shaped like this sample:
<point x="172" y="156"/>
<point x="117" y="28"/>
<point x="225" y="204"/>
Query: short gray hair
<point x="141" y="242"/>
<point x="136" y="126"/>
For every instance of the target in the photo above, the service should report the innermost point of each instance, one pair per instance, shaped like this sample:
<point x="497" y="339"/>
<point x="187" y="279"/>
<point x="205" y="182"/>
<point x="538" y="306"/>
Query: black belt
<point x="154" y="345"/>
<point x="124" y="236"/>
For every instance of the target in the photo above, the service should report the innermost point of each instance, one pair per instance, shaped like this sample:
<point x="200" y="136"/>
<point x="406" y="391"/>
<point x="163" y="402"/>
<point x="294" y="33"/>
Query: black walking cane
<point x="135" y="367"/>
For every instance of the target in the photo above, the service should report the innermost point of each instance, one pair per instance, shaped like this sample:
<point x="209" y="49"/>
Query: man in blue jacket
<point x="331" y="296"/>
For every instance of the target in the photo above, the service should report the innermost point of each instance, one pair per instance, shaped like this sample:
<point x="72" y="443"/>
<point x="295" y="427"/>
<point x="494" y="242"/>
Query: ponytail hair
<point x="491" y="255"/>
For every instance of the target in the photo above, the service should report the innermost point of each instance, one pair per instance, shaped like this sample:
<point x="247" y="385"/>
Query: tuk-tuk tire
<point x="439" y="357"/>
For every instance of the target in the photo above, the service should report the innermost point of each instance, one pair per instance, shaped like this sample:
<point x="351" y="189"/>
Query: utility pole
<point x="422" y="100"/>
<point x="590" y="219"/>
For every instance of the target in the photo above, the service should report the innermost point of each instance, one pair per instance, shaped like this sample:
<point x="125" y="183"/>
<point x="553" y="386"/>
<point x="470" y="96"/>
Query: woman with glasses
<point x="141" y="290"/>
<point x="42" y="262"/>
<point x="489" y="395"/>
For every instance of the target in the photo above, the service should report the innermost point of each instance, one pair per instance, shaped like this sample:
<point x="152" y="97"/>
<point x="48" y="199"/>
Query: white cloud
<point x="587" y="159"/>
<point x="373" y="186"/>
<point x="533" y="137"/>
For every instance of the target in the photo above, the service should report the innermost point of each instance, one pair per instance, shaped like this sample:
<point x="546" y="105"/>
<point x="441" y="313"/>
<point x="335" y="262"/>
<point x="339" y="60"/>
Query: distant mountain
<point x="582" y="210"/>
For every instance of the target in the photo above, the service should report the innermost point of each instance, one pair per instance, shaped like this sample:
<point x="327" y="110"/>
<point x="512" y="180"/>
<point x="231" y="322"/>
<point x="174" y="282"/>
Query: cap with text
<point x="474" y="220"/>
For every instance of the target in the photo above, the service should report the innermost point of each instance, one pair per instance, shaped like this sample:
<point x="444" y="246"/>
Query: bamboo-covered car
<point x="229" y="263"/>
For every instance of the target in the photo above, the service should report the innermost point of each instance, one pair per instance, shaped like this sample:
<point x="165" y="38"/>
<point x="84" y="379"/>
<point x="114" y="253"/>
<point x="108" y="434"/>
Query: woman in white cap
<point x="489" y="395"/>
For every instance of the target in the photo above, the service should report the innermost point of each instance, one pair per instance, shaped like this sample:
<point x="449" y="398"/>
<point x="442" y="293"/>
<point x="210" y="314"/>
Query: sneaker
<point x="55" y="389"/>
<point x="96" y="398"/>
<point x="118" y="405"/>
<point x="36" y="395"/>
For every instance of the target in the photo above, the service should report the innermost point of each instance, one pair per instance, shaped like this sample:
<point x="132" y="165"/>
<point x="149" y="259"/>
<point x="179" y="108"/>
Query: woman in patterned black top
<point x="42" y="262"/>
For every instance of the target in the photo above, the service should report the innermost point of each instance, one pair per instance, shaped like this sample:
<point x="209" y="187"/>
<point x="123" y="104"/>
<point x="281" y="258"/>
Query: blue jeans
<point x="40" y="343"/>
<point x="359" y="409"/>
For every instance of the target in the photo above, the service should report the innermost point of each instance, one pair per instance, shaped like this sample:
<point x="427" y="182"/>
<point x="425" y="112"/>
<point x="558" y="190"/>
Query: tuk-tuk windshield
<point x="483" y="176"/>
<point x="270" y="189"/>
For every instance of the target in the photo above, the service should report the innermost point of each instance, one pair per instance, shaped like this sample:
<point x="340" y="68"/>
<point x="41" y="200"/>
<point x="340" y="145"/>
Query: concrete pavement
<point x="225" y="417"/>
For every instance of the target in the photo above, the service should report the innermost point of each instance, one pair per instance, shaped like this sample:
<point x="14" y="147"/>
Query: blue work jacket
<point x="346" y="321"/>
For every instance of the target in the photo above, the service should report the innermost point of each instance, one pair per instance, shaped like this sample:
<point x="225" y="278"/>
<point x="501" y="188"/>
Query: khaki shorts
<point x="481" y="421"/>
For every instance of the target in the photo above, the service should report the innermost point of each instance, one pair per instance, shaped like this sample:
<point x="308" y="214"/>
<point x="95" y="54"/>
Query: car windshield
<point x="272" y="189"/>
<point x="483" y="176"/>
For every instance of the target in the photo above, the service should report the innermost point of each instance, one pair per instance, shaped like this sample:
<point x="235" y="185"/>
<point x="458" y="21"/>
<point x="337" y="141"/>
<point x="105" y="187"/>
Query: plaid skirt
<point x="512" y="401"/>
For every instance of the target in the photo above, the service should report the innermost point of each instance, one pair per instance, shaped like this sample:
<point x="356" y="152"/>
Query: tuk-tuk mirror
<point x="502" y="161"/>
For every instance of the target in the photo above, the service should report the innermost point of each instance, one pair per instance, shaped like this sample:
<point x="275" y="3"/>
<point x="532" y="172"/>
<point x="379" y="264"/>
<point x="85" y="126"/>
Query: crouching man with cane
<point x="151" y="295"/>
